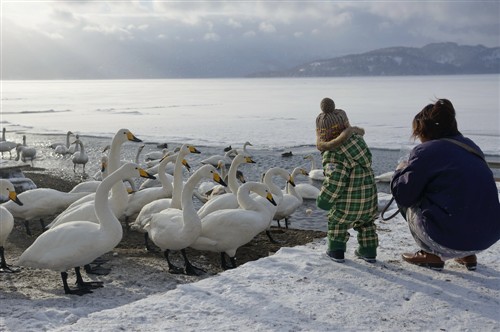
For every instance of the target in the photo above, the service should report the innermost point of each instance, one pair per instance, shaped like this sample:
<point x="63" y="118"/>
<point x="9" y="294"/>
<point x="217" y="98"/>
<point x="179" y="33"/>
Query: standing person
<point x="348" y="192"/>
<point x="446" y="192"/>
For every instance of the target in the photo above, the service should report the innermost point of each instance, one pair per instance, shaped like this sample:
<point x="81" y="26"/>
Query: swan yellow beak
<point x="192" y="149"/>
<point x="249" y="160"/>
<point x="270" y="198"/>
<point x="104" y="165"/>
<point x="13" y="197"/>
<point x="291" y="181"/>
<point x="145" y="174"/>
<point x="304" y="172"/>
<point x="219" y="180"/>
<point x="131" y="137"/>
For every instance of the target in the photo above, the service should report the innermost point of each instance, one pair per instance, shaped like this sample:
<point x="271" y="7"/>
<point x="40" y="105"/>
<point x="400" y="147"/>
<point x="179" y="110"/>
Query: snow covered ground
<point x="296" y="289"/>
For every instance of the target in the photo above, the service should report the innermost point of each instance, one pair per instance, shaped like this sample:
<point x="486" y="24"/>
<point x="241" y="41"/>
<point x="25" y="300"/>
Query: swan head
<point x="8" y="188"/>
<point x="240" y="176"/>
<point x="260" y="189"/>
<point x="131" y="137"/>
<point x="210" y="172"/>
<point x="185" y="163"/>
<point x="192" y="149"/>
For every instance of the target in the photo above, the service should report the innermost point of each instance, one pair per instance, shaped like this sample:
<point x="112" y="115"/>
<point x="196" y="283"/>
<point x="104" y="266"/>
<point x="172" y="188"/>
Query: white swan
<point x="155" y="155"/>
<point x="6" y="146"/>
<point x="174" y="229"/>
<point x="214" y="159"/>
<point x="245" y="150"/>
<point x="25" y="152"/>
<point x="80" y="242"/>
<point x="307" y="191"/>
<point x="6" y="223"/>
<point x="227" y="200"/>
<point x="315" y="173"/>
<point x="291" y="199"/>
<point x="79" y="157"/>
<point x="83" y="209"/>
<point x="62" y="149"/>
<point x="224" y="231"/>
<point x="40" y="203"/>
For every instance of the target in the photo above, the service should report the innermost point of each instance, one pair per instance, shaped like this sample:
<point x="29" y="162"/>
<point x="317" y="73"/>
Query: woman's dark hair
<point x="435" y="121"/>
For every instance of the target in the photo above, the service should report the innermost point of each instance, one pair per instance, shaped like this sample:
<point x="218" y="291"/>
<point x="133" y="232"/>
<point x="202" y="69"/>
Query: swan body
<point x="7" y="189"/>
<point x="175" y="229"/>
<point x="224" y="231"/>
<point x="214" y="159"/>
<point x="40" y="203"/>
<point x="155" y="155"/>
<point x="78" y="243"/>
<point x="227" y="200"/>
<point x="307" y="190"/>
<point x="79" y="157"/>
<point x="315" y="173"/>
<point x="24" y="152"/>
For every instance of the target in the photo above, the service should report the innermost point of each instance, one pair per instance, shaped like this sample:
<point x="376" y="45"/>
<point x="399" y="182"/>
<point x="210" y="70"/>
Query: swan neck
<point x="105" y="215"/>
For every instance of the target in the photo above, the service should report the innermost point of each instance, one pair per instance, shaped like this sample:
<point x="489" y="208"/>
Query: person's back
<point x="457" y="193"/>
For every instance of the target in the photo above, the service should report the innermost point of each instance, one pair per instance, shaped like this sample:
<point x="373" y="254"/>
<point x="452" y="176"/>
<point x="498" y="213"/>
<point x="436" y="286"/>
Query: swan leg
<point x="27" y="226"/>
<point x="86" y="284"/>
<point x="223" y="262"/>
<point x="42" y="223"/>
<point x="190" y="269"/>
<point x="146" y="243"/>
<point x="171" y="267"/>
<point x="67" y="290"/>
<point x="268" y="233"/>
<point x="286" y="223"/>
<point x="4" y="268"/>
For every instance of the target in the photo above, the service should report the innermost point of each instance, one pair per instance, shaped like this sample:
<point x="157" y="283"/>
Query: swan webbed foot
<point x="77" y="291"/>
<point x="171" y="267"/>
<point x="86" y="284"/>
<point x="189" y="268"/>
<point x="192" y="270"/>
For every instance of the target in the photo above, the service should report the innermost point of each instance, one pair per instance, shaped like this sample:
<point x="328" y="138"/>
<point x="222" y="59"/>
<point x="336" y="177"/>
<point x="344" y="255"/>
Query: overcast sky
<point x="152" y="39"/>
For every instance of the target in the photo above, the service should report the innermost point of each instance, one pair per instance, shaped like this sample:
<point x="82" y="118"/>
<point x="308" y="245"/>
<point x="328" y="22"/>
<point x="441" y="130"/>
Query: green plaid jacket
<point x="349" y="187"/>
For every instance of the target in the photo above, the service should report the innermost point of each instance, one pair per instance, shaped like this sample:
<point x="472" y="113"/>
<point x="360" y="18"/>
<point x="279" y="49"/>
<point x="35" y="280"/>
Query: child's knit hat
<point x="327" y="105"/>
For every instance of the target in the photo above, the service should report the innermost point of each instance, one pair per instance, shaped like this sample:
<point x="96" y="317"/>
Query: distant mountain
<point x="432" y="59"/>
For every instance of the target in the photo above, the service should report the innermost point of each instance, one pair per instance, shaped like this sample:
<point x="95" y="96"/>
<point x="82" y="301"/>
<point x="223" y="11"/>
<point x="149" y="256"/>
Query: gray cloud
<point x="92" y="39"/>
